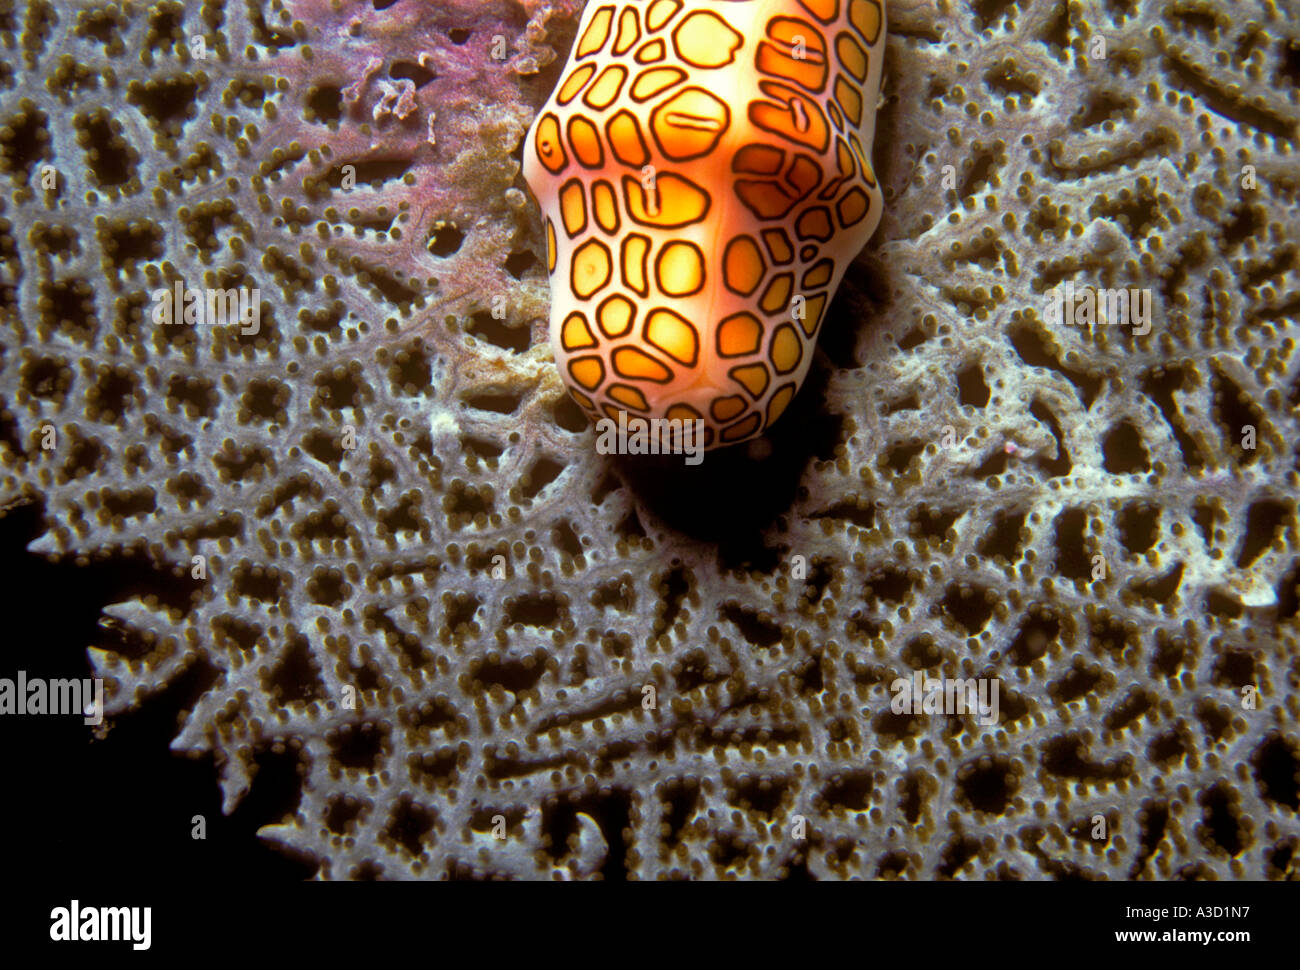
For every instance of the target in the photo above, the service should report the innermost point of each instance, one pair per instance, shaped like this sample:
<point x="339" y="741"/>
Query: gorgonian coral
<point x="413" y="570"/>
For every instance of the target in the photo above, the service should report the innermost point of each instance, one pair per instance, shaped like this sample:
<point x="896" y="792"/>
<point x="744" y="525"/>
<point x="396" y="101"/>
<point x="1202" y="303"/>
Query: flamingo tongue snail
<point x="704" y="172"/>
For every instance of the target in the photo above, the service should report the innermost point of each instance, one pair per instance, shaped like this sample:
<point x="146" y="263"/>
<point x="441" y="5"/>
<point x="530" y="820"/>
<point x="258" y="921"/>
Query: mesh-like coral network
<point x="385" y="543"/>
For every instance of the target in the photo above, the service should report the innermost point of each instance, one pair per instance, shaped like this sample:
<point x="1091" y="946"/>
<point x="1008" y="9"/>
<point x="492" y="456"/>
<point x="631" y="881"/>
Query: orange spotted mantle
<point x="704" y="172"/>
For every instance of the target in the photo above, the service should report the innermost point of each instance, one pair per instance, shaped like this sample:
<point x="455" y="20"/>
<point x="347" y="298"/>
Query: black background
<point x="124" y="804"/>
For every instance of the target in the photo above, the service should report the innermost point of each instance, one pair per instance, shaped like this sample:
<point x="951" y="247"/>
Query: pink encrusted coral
<point x="414" y="572"/>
